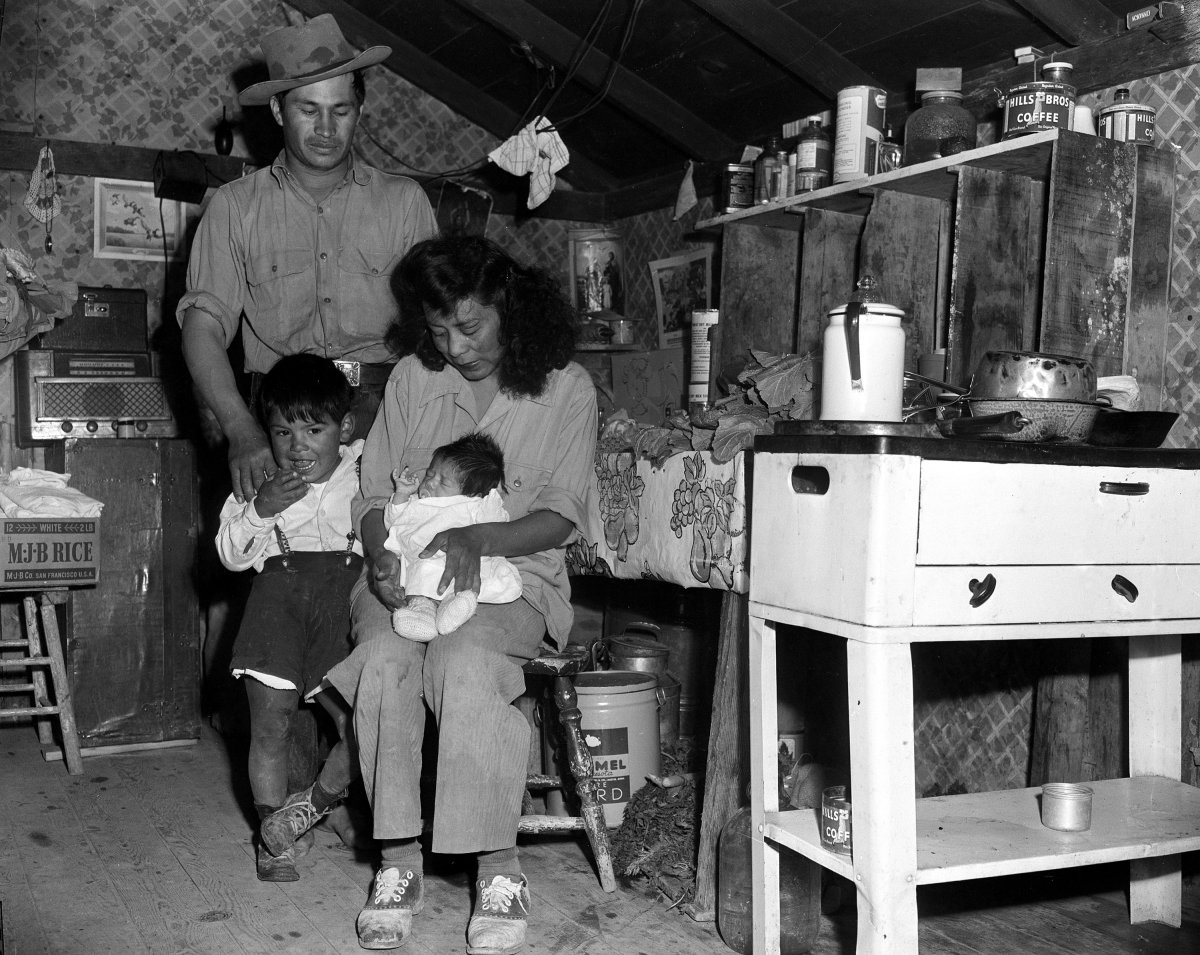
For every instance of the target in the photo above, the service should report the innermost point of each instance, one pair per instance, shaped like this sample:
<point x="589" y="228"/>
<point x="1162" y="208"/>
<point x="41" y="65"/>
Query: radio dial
<point x="67" y="426"/>
<point x="92" y="427"/>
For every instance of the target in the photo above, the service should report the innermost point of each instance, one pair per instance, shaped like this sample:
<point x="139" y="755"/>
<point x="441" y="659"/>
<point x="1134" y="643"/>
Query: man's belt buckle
<point x="350" y="369"/>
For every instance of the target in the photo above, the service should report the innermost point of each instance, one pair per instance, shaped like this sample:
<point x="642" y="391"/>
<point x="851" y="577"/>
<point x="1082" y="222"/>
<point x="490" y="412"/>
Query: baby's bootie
<point x="455" y="610"/>
<point x="417" y="619"/>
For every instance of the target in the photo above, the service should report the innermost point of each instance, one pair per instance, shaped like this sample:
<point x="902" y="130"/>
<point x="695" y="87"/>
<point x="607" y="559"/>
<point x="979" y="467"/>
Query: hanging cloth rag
<point x="42" y="199"/>
<point x="685" y="199"/>
<point x="537" y="150"/>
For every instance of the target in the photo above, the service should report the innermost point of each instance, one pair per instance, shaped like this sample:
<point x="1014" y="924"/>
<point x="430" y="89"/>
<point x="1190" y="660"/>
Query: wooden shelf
<point x="1027" y="155"/>
<point x="981" y="835"/>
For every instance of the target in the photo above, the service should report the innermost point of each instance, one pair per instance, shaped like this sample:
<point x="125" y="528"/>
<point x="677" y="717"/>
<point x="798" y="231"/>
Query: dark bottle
<point x="941" y="116"/>
<point x="799" y="892"/>
<point x="814" y="157"/>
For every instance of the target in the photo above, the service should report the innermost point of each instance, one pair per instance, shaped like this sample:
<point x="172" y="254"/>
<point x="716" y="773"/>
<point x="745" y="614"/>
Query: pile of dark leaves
<point x="659" y="834"/>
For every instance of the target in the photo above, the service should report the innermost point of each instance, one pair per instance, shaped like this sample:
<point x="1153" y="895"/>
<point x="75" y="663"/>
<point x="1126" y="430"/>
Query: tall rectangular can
<point x="858" y="132"/>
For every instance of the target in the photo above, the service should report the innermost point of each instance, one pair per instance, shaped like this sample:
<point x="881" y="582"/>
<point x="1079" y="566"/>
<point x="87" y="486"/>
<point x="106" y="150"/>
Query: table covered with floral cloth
<point x="680" y="519"/>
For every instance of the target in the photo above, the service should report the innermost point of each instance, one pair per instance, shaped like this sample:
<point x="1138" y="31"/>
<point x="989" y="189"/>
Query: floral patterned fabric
<point x="682" y="521"/>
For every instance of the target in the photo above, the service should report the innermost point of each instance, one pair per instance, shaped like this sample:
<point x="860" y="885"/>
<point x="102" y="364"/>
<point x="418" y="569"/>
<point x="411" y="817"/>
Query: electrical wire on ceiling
<point x="586" y="45"/>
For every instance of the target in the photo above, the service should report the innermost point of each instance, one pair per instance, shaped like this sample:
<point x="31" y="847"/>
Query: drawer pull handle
<point x="1125" y="587"/>
<point x="1130" y="488"/>
<point x="809" y="479"/>
<point x="981" y="590"/>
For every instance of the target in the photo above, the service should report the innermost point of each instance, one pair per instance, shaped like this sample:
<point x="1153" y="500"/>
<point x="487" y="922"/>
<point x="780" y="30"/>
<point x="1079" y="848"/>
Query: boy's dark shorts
<point x="297" y="621"/>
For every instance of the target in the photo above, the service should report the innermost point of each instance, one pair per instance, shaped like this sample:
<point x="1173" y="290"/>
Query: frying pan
<point x="1132" y="429"/>
<point x="1009" y="423"/>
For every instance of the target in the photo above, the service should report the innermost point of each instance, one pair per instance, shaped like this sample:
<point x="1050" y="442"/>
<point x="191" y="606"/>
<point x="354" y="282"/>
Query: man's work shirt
<point x="310" y="277"/>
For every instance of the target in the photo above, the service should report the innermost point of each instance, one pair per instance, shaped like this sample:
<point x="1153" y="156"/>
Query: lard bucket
<point x="620" y="726"/>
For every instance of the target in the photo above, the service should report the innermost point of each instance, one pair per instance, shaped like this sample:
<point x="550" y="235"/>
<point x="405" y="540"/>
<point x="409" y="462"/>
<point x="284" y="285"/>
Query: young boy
<point x="297" y="534"/>
<point x="461" y="486"/>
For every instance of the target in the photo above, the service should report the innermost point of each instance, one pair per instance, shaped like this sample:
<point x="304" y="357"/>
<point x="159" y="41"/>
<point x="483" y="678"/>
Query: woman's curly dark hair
<point x="537" y="322"/>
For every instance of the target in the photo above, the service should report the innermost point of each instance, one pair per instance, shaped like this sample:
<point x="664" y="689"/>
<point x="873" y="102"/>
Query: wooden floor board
<point x="152" y="854"/>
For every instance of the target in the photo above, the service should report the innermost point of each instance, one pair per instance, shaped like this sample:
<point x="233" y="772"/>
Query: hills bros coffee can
<point x="858" y="131"/>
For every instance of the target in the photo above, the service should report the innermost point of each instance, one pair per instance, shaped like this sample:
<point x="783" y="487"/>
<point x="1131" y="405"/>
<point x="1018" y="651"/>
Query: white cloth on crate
<point x="413" y="524"/>
<point x="538" y="150"/>
<point x="30" y="492"/>
<point x="319" y="521"/>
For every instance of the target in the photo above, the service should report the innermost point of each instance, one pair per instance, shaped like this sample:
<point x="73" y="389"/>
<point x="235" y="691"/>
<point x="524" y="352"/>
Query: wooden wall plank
<point x="829" y="260"/>
<point x="900" y="247"/>
<point x="1150" y="273"/>
<point x="993" y="225"/>
<point x="758" y="291"/>
<point x="1089" y="235"/>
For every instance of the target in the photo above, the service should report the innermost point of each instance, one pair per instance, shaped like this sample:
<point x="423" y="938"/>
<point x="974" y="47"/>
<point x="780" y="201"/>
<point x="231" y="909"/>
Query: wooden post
<point x="724" y="781"/>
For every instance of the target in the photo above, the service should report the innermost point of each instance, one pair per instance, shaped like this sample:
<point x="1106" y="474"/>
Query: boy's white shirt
<point x="319" y="521"/>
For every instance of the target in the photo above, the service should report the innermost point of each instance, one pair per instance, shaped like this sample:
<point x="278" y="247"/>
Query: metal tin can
<point x="1127" y="122"/>
<point x="1048" y="103"/>
<point x="858" y="131"/>
<point x="836" y="831"/>
<point x="737" y="187"/>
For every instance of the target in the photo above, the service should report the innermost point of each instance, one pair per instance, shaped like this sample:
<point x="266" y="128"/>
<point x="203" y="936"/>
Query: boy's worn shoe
<point x="417" y="619"/>
<point x="386" y="920"/>
<point x="497" y="925"/>
<point x="276" y="868"/>
<point x="287" y="823"/>
<point x="455" y="610"/>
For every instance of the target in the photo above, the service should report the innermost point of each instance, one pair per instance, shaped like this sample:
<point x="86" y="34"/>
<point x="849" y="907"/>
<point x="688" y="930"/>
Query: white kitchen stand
<point x="888" y="547"/>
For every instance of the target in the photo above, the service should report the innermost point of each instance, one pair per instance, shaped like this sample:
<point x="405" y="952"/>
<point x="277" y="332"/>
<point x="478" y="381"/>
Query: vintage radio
<point x="86" y="394"/>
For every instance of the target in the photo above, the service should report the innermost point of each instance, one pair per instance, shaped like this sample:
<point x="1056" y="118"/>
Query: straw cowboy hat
<point x="309" y="53"/>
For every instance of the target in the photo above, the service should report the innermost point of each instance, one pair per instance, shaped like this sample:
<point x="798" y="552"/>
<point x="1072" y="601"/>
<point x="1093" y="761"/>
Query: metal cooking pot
<point x="1069" y="422"/>
<point x="1036" y="375"/>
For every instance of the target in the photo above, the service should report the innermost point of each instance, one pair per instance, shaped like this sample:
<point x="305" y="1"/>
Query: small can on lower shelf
<point x="1066" y="807"/>
<point x="835" y="820"/>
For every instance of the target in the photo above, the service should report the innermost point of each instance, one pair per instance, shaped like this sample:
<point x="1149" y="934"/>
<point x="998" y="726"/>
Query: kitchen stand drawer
<point x="985" y="513"/>
<point x="988" y="595"/>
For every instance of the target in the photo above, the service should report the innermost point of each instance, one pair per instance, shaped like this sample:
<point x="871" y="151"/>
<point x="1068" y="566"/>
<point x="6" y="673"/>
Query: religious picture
<point x="597" y="272"/>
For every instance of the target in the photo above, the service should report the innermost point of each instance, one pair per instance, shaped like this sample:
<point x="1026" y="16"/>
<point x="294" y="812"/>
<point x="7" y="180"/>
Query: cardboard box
<point x="649" y="385"/>
<point x="37" y="553"/>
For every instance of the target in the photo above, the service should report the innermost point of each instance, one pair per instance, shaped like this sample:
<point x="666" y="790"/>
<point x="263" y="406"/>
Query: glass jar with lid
<point x="941" y="116"/>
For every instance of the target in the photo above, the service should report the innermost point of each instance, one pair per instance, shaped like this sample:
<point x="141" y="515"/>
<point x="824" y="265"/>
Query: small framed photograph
<point x="681" y="283"/>
<point x="597" y="272"/>
<point x="131" y="223"/>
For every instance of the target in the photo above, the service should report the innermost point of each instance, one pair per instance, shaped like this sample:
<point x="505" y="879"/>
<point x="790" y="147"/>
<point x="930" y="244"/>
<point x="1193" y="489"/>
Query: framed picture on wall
<point x="681" y="283"/>
<point x="131" y="223"/>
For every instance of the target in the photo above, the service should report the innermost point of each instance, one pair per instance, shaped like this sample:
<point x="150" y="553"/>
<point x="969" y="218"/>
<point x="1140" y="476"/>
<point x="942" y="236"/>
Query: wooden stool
<point x="563" y="667"/>
<point x="33" y="662"/>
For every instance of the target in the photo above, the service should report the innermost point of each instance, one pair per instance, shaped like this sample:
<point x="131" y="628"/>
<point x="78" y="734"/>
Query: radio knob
<point x="143" y="425"/>
<point x="92" y="427"/>
<point x="67" y="426"/>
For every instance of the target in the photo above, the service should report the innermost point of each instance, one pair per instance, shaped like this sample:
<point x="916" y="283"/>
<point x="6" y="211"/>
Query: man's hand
<point x="464" y="548"/>
<point x="384" y="579"/>
<point x="281" y="490"/>
<point x="250" y="462"/>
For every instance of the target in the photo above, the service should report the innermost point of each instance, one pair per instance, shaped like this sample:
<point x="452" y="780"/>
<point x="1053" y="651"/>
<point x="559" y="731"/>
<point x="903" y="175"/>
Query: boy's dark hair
<point x="305" y="388"/>
<point x="478" y="460"/>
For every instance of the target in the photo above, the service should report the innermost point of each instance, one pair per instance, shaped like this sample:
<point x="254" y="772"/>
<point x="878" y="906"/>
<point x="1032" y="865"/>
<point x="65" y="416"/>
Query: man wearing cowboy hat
<point x="300" y="254"/>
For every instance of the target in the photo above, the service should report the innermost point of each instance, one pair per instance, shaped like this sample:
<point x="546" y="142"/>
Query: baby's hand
<point x="406" y="481"/>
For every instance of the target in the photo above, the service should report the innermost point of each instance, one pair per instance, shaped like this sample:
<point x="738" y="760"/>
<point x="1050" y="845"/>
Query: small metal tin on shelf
<point x="1066" y="807"/>
<point x="737" y="187"/>
<point x="1127" y="122"/>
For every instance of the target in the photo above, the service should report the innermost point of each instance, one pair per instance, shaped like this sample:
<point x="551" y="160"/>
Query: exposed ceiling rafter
<point x="1075" y="21"/>
<point x="644" y="102"/>
<point x="447" y="86"/>
<point x="798" y="50"/>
